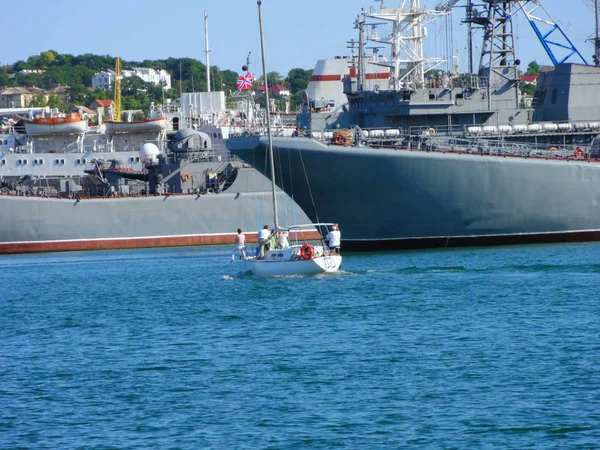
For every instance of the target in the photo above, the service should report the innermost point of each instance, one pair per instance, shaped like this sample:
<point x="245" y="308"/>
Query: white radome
<point x="149" y="153"/>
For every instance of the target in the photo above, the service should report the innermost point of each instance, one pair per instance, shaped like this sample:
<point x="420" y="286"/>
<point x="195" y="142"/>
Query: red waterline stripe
<point x="113" y="244"/>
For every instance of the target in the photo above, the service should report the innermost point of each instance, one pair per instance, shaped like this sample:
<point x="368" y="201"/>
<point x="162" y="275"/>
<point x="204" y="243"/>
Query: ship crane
<point x="117" y="94"/>
<point x="446" y="5"/>
<point x="549" y="32"/>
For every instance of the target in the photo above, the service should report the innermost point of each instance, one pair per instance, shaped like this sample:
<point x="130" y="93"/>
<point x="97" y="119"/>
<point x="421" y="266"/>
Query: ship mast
<point x="408" y="64"/>
<point x="597" y="37"/>
<point x="206" y="51"/>
<point x="269" y="137"/>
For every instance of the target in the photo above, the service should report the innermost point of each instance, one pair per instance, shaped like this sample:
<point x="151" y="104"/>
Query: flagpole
<point x="269" y="139"/>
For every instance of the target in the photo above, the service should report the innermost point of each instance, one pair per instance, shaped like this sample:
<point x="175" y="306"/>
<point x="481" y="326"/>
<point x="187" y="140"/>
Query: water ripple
<point x="177" y="348"/>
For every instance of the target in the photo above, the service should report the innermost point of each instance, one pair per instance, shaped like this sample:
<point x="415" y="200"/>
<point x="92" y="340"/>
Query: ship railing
<point x="502" y="147"/>
<point x="436" y="129"/>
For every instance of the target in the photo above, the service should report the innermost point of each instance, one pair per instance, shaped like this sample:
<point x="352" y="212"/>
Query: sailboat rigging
<point x="283" y="258"/>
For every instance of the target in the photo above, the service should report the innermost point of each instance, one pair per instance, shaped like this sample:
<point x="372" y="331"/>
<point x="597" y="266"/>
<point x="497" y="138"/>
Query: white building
<point x="106" y="78"/>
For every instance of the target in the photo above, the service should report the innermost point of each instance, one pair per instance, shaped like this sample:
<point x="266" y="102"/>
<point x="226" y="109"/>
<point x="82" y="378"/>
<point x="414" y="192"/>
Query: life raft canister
<point x="579" y="153"/>
<point x="306" y="252"/>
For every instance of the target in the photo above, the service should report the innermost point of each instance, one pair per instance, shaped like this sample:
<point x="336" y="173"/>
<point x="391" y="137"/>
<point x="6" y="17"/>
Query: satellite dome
<point x="149" y="153"/>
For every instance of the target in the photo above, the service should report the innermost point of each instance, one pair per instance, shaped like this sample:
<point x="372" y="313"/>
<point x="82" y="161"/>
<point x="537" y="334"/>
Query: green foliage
<point x="77" y="72"/>
<point x="54" y="101"/>
<point x="296" y="99"/>
<point x="3" y="77"/>
<point x="274" y="78"/>
<point x="533" y="68"/>
<point x="229" y="78"/>
<point x="262" y="101"/>
<point x="38" y="100"/>
<point x="297" y="80"/>
<point x="46" y="58"/>
<point x="527" y="88"/>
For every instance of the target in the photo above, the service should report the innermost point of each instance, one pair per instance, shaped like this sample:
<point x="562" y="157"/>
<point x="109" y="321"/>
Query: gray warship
<point x="189" y="195"/>
<point x="448" y="160"/>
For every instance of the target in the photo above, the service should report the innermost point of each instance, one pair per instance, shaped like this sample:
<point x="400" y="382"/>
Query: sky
<point x="297" y="33"/>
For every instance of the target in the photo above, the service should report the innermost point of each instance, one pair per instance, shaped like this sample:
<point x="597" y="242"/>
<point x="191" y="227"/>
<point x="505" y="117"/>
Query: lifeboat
<point x="148" y="124"/>
<point x="73" y="123"/>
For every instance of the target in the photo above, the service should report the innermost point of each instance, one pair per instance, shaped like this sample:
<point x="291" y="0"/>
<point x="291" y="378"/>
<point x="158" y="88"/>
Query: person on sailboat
<point x="263" y="240"/>
<point x="240" y="245"/>
<point x="282" y="239"/>
<point x="334" y="237"/>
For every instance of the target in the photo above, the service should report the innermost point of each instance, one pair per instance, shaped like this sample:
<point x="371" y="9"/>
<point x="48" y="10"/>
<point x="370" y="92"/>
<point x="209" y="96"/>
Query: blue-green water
<point x="177" y="348"/>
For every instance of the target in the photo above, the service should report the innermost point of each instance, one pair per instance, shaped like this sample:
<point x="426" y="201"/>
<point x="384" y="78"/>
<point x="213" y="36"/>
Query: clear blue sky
<point x="297" y="33"/>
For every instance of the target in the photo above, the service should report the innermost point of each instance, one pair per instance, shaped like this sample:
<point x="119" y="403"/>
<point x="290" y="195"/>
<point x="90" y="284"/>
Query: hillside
<point x="50" y="70"/>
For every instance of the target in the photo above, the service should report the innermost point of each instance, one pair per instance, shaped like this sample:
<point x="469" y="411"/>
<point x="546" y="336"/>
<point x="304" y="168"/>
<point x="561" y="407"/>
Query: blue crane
<point x="553" y="37"/>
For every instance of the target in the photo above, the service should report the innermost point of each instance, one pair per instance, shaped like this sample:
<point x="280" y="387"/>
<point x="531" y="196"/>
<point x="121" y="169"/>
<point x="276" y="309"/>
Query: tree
<point x="229" y="78"/>
<point x="3" y="77"/>
<point x="296" y="99"/>
<point x="274" y="78"/>
<point x="47" y="58"/>
<point x="526" y="88"/>
<point x="38" y="100"/>
<point x="28" y="80"/>
<point x="54" y="101"/>
<point x="533" y="68"/>
<point x="297" y="80"/>
<point x="33" y="62"/>
<point x="132" y="85"/>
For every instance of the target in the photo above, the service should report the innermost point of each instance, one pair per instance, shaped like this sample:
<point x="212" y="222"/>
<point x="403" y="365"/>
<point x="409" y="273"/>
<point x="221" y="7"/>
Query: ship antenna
<point x="597" y="38"/>
<point x="206" y="51"/>
<point x="268" y="107"/>
<point x="360" y="24"/>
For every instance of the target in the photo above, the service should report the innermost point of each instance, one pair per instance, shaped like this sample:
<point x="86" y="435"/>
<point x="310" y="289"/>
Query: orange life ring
<point x="339" y="139"/>
<point x="579" y="153"/>
<point x="307" y="251"/>
<point x="186" y="177"/>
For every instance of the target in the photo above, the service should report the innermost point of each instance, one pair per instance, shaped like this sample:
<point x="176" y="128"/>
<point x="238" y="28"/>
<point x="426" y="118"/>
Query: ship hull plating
<point x="40" y="224"/>
<point x="392" y="199"/>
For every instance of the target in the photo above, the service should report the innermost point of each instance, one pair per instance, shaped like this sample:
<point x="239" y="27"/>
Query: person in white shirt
<point x="282" y="239"/>
<point x="264" y="236"/>
<point x="335" y="238"/>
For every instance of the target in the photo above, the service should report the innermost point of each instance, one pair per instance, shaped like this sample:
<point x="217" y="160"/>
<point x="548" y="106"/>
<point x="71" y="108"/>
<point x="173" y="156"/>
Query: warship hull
<point x="400" y="198"/>
<point x="41" y="224"/>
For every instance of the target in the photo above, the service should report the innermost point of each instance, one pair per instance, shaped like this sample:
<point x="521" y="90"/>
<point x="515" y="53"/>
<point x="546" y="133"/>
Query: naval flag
<point x="244" y="82"/>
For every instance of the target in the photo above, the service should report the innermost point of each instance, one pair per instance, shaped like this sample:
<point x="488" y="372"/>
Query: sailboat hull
<point x="278" y="267"/>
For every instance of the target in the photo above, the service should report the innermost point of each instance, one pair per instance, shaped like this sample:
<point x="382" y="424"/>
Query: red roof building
<point x="529" y="78"/>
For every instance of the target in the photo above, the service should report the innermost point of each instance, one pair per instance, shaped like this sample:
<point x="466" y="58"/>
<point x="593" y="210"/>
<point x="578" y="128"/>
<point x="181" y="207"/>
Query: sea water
<point x="178" y="348"/>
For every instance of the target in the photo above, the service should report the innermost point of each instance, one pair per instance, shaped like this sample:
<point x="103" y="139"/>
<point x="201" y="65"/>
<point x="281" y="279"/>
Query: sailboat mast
<point x="268" y="107"/>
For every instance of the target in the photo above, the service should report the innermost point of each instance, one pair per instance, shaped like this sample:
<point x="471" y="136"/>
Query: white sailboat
<point x="297" y="259"/>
